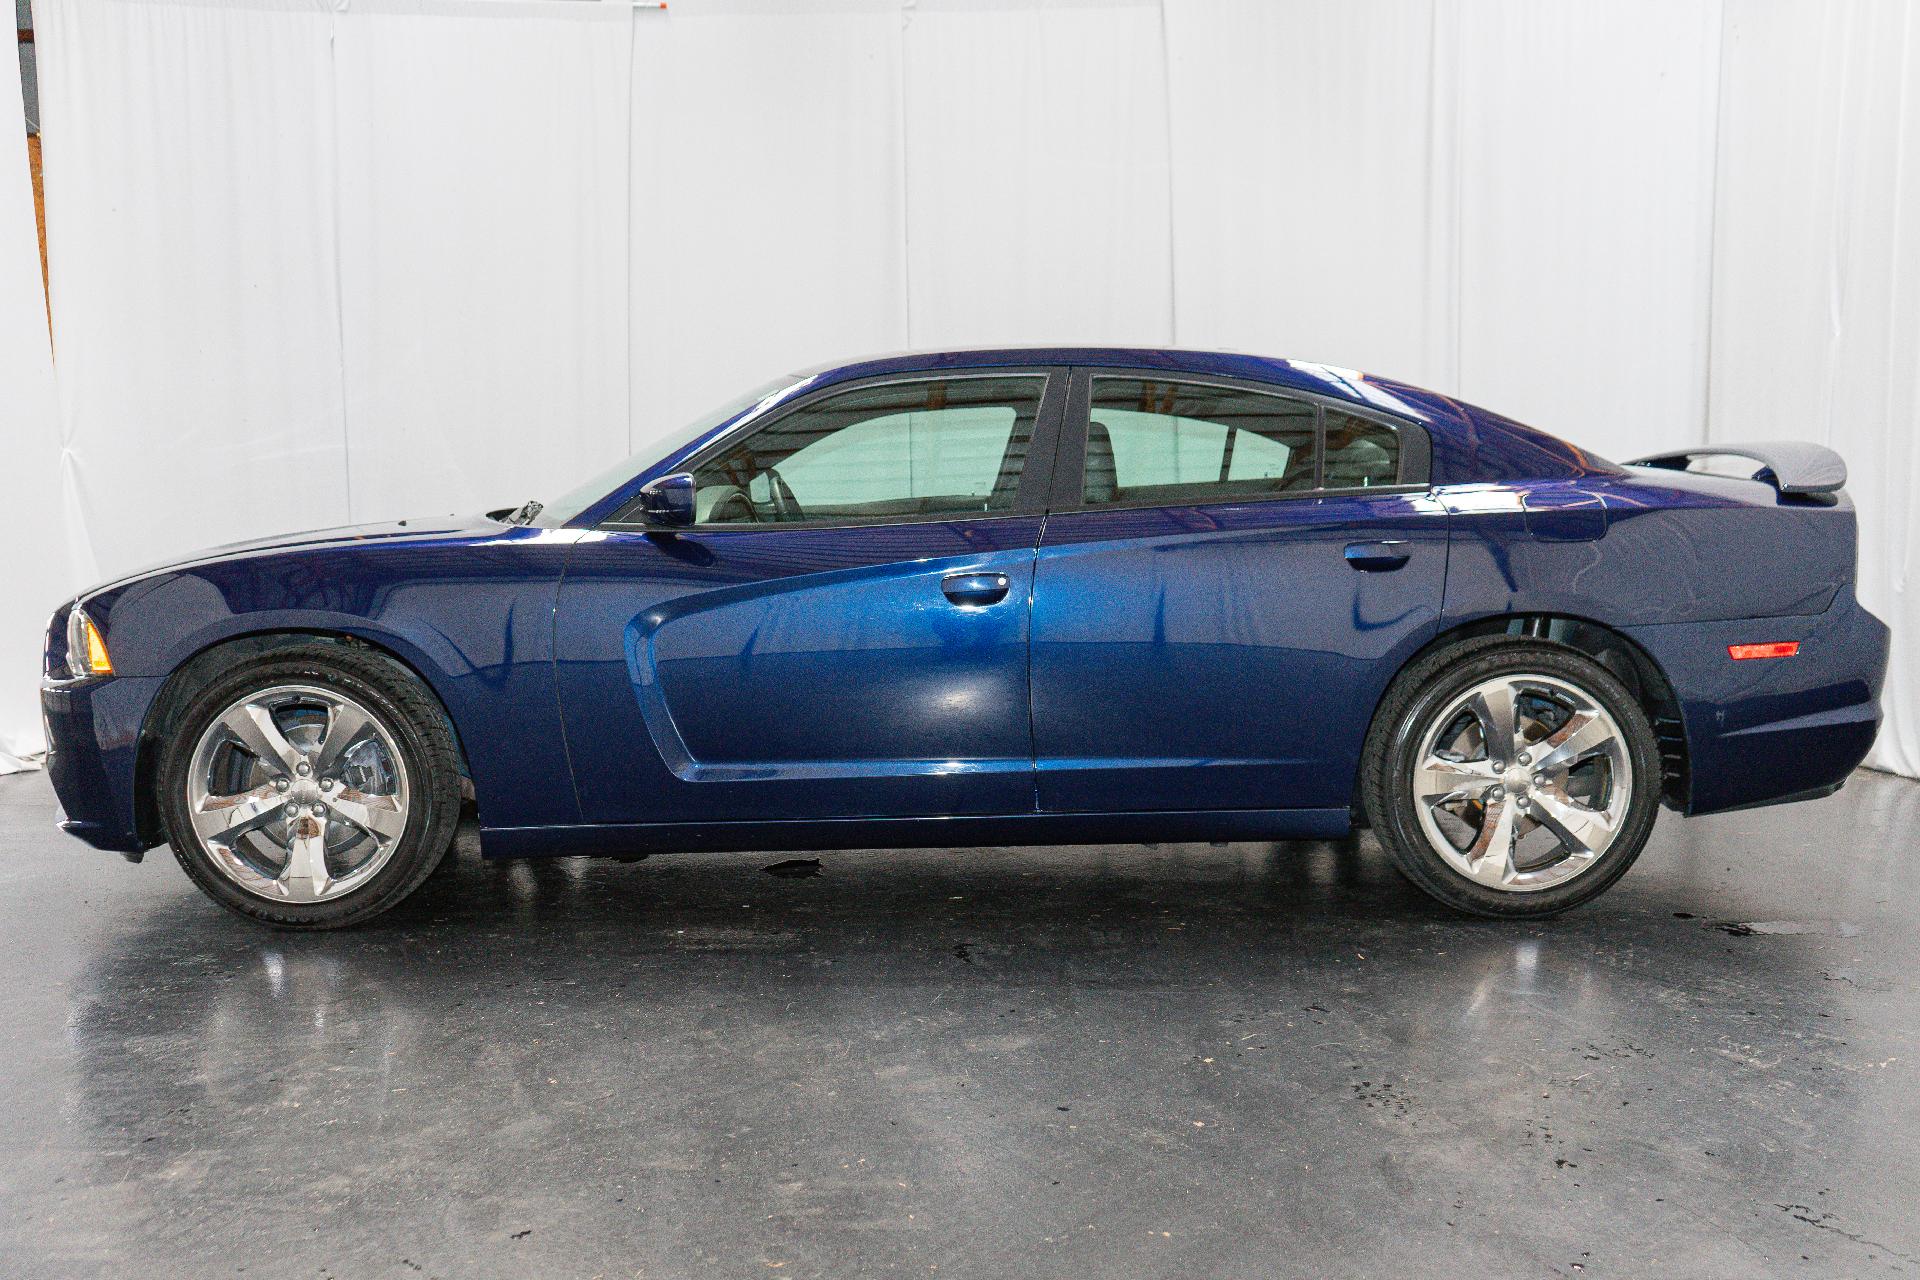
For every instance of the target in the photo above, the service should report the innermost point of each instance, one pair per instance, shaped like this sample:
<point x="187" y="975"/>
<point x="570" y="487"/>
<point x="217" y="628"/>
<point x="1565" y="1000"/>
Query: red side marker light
<point x="1778" y="649"/>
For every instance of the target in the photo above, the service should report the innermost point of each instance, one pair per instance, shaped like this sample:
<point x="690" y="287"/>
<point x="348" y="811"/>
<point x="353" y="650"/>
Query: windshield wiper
<point x="525" y="512"/>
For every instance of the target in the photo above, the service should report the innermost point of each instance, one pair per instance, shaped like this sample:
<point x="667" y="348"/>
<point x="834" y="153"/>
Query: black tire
<point x="1423" y="692"/>
<point x="413" y="719"/>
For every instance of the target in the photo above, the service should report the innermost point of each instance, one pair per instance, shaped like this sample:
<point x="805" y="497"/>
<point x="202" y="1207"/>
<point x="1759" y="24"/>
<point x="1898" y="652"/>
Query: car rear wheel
<point x="1512" y="778"/>
<point x="310" y="787"/>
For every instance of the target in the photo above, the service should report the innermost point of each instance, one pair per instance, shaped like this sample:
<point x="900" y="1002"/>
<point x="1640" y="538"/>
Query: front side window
<point x="559" y="511"/>
<point x="1162" y="443"/>
<point x="923" y="449"/>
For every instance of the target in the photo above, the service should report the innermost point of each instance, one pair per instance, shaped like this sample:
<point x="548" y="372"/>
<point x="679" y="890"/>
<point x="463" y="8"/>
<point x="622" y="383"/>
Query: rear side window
<point x="1156" y="442"/>
<point x="1151" y="442"/>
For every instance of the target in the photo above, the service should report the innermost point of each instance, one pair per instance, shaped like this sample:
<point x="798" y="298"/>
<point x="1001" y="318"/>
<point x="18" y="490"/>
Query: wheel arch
<point x="220" y="654"/>
<point x="1618" y="653"/>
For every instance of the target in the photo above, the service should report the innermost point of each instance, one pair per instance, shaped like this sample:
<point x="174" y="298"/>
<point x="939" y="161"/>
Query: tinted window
<point x="906" y="450"/>
<point x="1361" y="453"/>
<point x="1166" y="442"/>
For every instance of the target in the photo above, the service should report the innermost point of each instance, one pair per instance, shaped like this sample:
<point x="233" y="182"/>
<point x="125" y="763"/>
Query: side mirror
<point x="668" y="501"/>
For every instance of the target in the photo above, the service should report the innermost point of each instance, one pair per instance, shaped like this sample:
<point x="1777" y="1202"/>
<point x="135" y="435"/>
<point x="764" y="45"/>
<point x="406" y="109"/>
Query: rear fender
<point x="1671" y="548"/>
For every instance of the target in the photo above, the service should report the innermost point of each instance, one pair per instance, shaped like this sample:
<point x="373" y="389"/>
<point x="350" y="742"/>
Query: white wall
<point x="318" y="263"/>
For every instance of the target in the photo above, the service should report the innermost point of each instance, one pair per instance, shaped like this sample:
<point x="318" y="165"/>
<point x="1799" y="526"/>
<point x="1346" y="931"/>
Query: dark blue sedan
<point x="998" y="597"/>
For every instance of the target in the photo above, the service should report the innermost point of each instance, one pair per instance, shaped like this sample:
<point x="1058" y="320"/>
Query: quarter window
<point x="1164" y="442"/>
<point x="1361" y="453"/>
<point x="902" y="451"/>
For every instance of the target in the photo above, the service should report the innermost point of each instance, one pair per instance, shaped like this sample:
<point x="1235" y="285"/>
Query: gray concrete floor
<point x="1125" y="1061"/>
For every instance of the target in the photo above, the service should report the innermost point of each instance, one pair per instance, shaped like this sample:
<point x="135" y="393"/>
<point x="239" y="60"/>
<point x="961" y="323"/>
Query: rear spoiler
<point x="1791" y="466"/>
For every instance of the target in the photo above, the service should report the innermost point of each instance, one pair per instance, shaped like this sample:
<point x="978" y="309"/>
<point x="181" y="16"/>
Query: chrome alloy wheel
<point x="1522" y="782"/>
<point x="298" y="794"/>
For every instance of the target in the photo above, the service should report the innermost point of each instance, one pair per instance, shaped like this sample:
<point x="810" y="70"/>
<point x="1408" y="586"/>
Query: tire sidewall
<point x="423" y="742"/>
<point x="1394" y="806"/>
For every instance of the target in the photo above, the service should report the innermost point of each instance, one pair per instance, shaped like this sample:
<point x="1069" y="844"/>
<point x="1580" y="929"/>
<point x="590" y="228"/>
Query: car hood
<point x="392" y="530"/>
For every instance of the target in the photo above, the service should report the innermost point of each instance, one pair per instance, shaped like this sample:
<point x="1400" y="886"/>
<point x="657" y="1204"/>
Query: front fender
<point x="473" y="620"/>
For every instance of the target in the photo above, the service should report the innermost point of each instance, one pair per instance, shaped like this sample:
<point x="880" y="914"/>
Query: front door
<point x="842" y="633"/>
<point x="1230" y="578"/>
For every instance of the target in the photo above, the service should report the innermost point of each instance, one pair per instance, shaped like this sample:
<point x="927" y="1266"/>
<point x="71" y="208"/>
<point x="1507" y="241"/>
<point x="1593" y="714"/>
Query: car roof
<point x="1298" y="375"/>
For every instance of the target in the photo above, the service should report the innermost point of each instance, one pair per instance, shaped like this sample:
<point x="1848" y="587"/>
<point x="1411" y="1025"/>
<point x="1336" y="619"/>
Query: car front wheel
<point x="310" y="787"/>
<point x="1511" y="778"/>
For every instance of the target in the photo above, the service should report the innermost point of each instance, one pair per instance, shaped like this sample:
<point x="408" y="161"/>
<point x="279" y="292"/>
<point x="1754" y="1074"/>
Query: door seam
<point x="1033" y="587"/>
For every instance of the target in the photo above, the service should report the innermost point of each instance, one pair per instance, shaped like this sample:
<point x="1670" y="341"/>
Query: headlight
<point x="86" y="649"/>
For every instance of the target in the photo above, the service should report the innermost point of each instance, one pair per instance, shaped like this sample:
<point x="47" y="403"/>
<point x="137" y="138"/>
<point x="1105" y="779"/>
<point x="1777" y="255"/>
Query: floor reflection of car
<point x="998" y="597"/>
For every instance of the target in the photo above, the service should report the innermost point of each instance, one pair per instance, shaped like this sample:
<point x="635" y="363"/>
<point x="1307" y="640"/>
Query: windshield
<point x="577" y="499"/>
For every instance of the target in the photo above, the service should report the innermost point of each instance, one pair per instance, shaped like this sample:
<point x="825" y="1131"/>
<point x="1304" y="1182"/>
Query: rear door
<point x="842" y="633"/>
<point x="1229" y="577"/>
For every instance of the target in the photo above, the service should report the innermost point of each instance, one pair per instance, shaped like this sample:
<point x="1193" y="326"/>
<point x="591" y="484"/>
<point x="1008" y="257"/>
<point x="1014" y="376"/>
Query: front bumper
<point x="93" y="735"/>
<point x="1773" y="730"/>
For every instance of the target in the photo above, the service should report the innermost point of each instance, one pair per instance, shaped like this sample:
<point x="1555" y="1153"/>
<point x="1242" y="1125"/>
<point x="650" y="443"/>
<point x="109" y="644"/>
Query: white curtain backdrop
<point x="198" y="350"/>
<point x="1816" y="301"/>
<point x="36" y="574"/>
<point x="314" y="265"/>
<point x="479" y="203"/>
<point x="1037" y="185"/>
<point x="1504" y="199"/>
<point x="320" y="260"/>
<point x="767" y="216"/>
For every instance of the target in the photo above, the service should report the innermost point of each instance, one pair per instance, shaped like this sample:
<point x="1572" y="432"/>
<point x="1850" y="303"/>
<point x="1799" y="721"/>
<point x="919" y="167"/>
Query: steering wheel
<point x="724" y="504"/>
<point x="785" y="505"/>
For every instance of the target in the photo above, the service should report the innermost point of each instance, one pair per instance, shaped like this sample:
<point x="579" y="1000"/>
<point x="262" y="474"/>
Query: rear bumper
<point x="93" y="735"/>
<point x="1771" y="730"/>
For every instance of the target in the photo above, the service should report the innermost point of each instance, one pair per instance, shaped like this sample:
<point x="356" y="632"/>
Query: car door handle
<point x="975" y="588"/>
<point x="1376" y="557"/>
